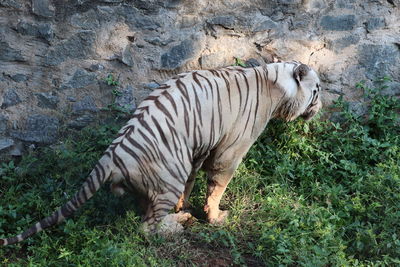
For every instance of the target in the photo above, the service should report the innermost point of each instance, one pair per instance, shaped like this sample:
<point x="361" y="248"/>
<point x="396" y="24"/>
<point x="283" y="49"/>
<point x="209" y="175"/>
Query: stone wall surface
<point x="56" y="55"/>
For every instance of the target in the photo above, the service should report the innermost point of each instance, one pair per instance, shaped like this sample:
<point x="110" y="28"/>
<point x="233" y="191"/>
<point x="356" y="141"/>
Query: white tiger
<point x="200" y="119"/>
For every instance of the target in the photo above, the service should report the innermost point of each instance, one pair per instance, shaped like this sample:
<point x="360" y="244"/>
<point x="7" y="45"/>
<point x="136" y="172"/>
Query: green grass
<point x="321" y="193"/>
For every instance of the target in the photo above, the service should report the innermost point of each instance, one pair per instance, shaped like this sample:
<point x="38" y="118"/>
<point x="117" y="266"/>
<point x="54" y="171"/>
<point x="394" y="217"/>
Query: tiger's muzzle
<point x="311" y="110"/>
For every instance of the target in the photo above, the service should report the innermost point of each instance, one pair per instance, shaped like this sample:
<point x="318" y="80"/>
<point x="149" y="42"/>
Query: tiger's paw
<point x="220" y="219"/>
<point x="173" y="223"/>
<point x="169" y="225"/>
<point x="183" y="216"/>
<point x="146" y="228"/>
<point x="166" y="228"/>
<point x="182" y="205"/>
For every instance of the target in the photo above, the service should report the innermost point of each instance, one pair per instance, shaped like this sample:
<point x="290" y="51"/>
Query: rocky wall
<point x="56" y="56"/>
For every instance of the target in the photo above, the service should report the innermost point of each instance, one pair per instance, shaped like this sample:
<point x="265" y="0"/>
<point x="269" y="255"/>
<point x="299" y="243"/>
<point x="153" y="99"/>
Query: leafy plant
<point x="111" y="80"/>
<point x="239" y="62"/>
<point x="121" y="111"/>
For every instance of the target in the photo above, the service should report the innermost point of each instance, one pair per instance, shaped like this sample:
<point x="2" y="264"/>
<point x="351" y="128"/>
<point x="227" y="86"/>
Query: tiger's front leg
<point x="183" y="202"/>
<point x="217" y="184"/>
<point x="220" y="169"/>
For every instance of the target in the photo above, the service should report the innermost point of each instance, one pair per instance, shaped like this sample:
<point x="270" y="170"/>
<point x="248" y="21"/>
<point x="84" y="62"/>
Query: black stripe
<point x="247" y="95"/>
<point x="240" y="92"/>
<point x="231" y="144"/>
<point x="266" y="75"/>
<point x="172" y="173"/>
<point x="65" y="211"/>
<point x="195" y="144"/>
<point x="197" y="81"/>
<point x="29" y="232"/>
<point x="228" y="88"/>
<point x="189" y="155"/>
<point x="180" y="145"/>
<point x="91" y="185"/>
<point x="212" y="131"/>
<point x="165" y="202"/>
<point x="147" y="178"/>
<point x="161" y="209"/>
<point x="163" y="86"/>
<point x="215" y="73"/>
<point x="133" y="155"/>
<point x="161" y="132"/>
<point x="46" y="222"/>
<point x="268" y="89"/>
<point x="150" y="143"/>
<point x="257" y="99"/>
<point x="186" y="117"/>
<point x="182" y="87"/>
<point x="207" y="80"/>
<point x="120" y="165"/>
<point x="171" y="188"/>
<point x="103" y="173"/>
<point x="219" y="107"/>
<point x="97" y="176"/>
<point x="159" y="186"/>
<point x="146" y="126"/>
<point x="201" y="147"/>
<point x="162" y="108"/>
<point x="129" y="185"/>
<point x="124" y="129"/>
<point x="139" y="161"/>
<point x="276" y="73"/>
<point x="85" y="185"/>
<point x="166" y="164"/>
<point x="138" y="146"/>
<point x="248" y="117"/>
<point x="198" y="104"/>
<point x="75" y="201"/>
<point x="143" y="109"/>
<point x="171" y="100"/>
<point x="185" y="175"/>
<point x="151" y="98"/>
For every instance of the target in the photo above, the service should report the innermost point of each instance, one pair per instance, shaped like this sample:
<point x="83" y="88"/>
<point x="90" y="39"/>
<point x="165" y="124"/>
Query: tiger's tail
<point x="97" y="177"/>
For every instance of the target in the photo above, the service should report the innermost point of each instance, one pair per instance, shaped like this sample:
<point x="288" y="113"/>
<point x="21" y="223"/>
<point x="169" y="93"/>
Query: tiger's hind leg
<point x="158" y="219"/>
<point x="163" y="195"/>
<point x="158" y="207"/>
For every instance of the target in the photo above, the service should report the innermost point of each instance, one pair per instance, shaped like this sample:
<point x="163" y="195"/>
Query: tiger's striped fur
<point x="200" y="119"/>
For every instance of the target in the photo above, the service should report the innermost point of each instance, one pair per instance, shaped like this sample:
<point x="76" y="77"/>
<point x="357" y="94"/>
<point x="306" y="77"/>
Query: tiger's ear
<point x="300" y="71"/>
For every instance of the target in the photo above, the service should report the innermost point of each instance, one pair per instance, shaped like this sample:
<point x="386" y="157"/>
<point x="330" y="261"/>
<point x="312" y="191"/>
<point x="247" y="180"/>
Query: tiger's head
<point x="305" y="102"/>
<point x="307" y="80"/>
